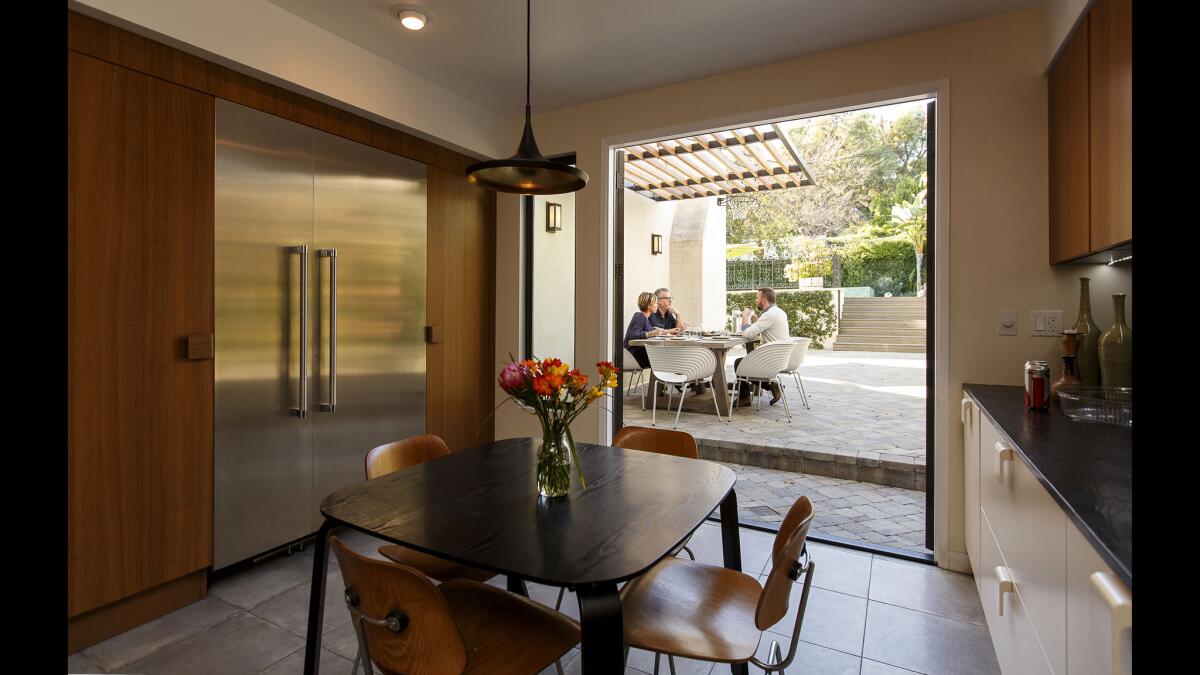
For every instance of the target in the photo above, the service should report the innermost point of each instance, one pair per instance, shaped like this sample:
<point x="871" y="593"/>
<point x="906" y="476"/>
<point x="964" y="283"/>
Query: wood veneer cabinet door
<point x="1067" y="93"/>
<point x="1111" y="56"/>
<point x="140" y="260"/>
<point x="461" y="298"/>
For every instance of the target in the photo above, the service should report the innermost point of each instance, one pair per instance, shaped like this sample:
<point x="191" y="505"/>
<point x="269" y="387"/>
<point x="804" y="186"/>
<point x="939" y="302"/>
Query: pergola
<point x="735" y="161"/>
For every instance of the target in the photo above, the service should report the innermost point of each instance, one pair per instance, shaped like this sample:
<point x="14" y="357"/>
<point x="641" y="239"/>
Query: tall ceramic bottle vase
<point x="1116" y="349"/>
<point x="1087" y="362"/>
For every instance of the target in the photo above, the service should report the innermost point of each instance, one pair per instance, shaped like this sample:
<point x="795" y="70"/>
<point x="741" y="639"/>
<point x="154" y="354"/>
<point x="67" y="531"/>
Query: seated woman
<point x="640" y="328"/>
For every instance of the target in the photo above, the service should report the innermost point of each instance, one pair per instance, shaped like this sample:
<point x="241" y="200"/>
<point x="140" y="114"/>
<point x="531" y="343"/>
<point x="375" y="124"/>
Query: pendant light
<point x="527" y="172"/>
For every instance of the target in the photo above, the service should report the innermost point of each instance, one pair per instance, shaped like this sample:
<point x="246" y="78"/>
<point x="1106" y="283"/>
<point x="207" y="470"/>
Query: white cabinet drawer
<point x="970" y="420"/>
<point x="1017" y="646"/>
<point x="1093" y="623"/>
<point x="1030" y="531"/>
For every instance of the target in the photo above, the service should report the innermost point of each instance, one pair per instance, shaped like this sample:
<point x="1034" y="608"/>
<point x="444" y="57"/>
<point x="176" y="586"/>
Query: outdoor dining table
<point x="720" y="346"/>
<point x="480" y="507"/>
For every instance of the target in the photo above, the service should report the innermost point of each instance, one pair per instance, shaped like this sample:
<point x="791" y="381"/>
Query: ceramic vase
<point x="1087" y="357"/>
<point x="1068" y="376"/>
<point x="1116" y="349"/>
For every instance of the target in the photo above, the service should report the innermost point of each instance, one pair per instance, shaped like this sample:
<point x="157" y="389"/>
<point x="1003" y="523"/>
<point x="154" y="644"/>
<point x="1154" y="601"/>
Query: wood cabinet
<point x="140" y="281"/>
<point x="1090" y="131"/>
<point x="1051" y="603"/>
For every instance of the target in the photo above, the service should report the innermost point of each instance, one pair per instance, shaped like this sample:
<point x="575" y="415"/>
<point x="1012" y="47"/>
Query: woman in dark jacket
<point x="640" y="328"/>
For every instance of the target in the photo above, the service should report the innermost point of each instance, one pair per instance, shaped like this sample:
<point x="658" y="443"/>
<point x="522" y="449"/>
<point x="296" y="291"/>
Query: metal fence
<point x="746" y="275"/>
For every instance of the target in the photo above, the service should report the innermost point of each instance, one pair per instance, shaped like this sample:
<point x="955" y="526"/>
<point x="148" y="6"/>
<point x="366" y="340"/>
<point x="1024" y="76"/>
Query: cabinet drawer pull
<point x="1006" y="584"/>
<point x="1120" y="605"/>
<point x="962" y="413"/>
<point x="1004" y="453"/>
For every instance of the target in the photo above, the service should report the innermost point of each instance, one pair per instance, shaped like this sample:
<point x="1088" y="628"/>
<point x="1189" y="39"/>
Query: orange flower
<point x="542" y="387"/>
<point x="554" y="380"/>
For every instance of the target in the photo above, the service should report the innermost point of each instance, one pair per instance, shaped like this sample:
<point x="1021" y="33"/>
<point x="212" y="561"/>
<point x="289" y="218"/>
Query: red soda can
<point x="1037" y="385"/>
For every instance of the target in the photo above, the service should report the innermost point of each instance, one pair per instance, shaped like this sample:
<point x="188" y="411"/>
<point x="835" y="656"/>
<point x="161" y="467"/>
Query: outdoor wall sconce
<point x="655" y="244"/>
<point x="553" y="217"/>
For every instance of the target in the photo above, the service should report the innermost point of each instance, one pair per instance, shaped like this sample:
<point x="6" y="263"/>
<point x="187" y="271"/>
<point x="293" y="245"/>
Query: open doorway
<point x="832" y="213"/>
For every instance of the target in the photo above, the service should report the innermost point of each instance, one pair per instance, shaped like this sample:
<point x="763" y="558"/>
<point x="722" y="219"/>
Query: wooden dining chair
<point x="402" y="454"/>
<point x="664" y="442"/>
<point x="406" y="624"/>
<point x="709" y="613"/>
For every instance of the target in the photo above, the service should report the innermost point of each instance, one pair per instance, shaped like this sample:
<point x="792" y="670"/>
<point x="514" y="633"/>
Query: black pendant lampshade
<point x="527" y="172"/>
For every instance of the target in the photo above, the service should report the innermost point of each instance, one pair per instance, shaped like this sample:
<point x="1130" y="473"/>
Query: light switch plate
<point x="1045" y="322"/>
<point x="1006" y="320"/>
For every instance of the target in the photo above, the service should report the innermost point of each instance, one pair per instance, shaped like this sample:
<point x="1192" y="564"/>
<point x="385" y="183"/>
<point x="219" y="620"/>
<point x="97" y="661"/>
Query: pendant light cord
<point x="528" y="68"/>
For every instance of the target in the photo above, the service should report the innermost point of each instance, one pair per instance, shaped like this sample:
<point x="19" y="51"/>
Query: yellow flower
<point x="612" y="382"/>
<point x="595" y="393"/>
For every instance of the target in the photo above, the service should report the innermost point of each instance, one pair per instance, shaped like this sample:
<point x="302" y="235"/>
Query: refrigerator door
<point x="370" y="209"/>
<point x="262" y="446"/>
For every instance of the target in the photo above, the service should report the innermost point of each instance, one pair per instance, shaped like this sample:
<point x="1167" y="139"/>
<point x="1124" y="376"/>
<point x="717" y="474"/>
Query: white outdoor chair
<point x="637" y="373"/>
<point x="793" y="369"/>
<point x="681" y="366"/>
<point x="763" y="366"/>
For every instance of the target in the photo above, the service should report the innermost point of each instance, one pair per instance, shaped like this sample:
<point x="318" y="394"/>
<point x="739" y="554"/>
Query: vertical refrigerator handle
<point x="302" y="251"/>
<point x="331" y="253"/>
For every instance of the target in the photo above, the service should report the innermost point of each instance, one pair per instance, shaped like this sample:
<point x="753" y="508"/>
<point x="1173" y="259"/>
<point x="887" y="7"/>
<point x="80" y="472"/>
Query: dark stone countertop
<point x="1086" y="467"/>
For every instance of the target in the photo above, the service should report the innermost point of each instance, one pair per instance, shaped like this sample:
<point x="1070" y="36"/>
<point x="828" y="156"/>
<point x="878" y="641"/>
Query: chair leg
<point x="654" y="411"/>
<point x="775" y="654"/>
<point x="671" y="662"/>
<point x="803" y="394"/>
<point x="734" y="403"/>
<point x="558" y="666"/>
<point x="357" y="658"/>
<point x="784" y="397"/>
<point x="682" y="394"/>
<point x="625" y="660"/>
<point x="561" y="592"/>
<point x="656" y="657"/>
<point x="715" y="404"/>
<point x="689" y="552"/>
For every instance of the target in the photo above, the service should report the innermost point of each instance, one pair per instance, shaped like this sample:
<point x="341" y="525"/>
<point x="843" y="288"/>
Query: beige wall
<point x="645" y="272"/>
<point x="554" y="280"/>
<point x="997" y="188"/>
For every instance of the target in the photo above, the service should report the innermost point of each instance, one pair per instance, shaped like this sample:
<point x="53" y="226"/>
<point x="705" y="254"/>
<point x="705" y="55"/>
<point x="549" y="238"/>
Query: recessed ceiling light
<point x="412" y="17"/>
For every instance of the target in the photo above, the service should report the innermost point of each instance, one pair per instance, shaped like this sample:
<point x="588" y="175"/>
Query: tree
<point x="909" y="218"/>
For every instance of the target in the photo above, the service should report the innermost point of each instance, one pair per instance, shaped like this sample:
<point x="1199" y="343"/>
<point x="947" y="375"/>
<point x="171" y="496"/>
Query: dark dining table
<point x="480" y="507"/>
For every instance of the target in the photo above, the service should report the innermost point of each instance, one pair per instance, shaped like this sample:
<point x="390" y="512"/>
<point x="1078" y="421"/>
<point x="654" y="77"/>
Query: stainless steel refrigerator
<point x="320" y="309"/>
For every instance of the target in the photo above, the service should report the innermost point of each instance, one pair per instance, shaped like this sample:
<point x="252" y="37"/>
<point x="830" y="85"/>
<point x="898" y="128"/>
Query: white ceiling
<point x="584" y="50"/>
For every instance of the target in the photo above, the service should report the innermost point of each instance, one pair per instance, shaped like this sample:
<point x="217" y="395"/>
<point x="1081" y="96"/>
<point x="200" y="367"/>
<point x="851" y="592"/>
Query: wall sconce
<point x="655" y="244"/>
<point x="553" y="217"/>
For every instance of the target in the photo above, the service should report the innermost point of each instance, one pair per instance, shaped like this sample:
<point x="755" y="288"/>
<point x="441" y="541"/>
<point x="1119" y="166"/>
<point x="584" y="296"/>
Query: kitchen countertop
<point x="1086" y="467"/>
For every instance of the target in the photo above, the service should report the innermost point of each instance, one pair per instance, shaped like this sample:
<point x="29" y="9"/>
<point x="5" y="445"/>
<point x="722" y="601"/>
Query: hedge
<point x="810" y="313"/>
<point x="887" y="265"/>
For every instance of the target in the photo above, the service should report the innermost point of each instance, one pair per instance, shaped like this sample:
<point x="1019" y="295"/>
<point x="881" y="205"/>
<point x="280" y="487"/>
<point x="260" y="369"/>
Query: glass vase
<point x="553" y="464"/>
<point x="1087" y="355"/>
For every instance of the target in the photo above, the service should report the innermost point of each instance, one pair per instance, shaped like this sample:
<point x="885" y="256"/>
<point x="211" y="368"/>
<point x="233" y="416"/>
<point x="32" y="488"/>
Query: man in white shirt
<point x="771" y="325"/>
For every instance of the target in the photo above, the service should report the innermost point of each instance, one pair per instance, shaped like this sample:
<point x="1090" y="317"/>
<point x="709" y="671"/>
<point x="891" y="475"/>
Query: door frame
<point x="938" y="459"/>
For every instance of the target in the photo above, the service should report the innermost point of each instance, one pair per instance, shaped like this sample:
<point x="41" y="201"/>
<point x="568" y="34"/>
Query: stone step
<point x="916" y="309"/>
<point x="893" y="300"/>
<point x="883" y="338"/>
<point x="879" y="329"/>
<point x="879" y="347"/>
<point x="905" y="321"/>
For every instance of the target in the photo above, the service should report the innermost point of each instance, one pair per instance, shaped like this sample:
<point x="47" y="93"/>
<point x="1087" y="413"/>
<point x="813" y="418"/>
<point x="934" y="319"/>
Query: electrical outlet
<point x="1045" y="322"/>
<point x="1007" y="320"/>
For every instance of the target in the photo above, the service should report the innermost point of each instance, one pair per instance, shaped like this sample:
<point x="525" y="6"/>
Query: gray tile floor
<point x="866" y="614"/>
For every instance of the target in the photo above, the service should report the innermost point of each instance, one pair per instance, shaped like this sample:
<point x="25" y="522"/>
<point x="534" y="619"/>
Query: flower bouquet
<point x="556" y="394"/>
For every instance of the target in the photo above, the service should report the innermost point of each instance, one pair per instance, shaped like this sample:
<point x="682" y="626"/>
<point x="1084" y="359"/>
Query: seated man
<point x="665" y="316"/>
<point x="771" y="325"/>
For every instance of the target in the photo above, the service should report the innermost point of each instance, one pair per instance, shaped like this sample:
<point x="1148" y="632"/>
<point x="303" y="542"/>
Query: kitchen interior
<point x="291" y="282"/>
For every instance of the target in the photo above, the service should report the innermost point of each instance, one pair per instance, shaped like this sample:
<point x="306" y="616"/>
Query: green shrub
<point x="885" y="264"/>
<point x="810" y="313"/>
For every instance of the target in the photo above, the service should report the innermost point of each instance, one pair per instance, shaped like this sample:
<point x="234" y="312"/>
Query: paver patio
<point x="858" y="452"/>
